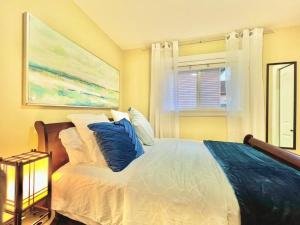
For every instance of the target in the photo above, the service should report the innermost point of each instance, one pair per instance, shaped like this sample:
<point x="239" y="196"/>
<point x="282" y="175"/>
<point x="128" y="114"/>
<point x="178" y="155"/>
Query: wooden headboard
<point x="48" y="141"/>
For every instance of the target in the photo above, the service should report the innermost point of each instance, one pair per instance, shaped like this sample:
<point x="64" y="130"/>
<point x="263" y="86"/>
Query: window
<point x="201" y="89"/>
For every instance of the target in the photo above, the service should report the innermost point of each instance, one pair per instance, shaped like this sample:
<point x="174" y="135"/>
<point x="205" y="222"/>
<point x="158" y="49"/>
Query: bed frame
<point x="48" y="141"/>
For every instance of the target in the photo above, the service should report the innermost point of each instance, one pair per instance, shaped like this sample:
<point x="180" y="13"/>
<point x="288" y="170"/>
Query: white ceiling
<point x="137" y="23"/>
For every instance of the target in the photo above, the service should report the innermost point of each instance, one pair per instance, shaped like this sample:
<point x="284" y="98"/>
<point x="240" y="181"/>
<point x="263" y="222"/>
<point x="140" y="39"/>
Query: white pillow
<point x="76" y="149"/>
<point x="142" y="127"/>
<point x="81" y="121"/>
<point x="117" y="115"/>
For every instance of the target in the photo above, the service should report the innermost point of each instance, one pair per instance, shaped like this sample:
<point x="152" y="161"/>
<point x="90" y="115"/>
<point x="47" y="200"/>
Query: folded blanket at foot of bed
<point x="267" y="190"/>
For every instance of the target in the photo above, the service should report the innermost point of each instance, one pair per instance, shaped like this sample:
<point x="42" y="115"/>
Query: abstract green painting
<point x="58" y="72"/>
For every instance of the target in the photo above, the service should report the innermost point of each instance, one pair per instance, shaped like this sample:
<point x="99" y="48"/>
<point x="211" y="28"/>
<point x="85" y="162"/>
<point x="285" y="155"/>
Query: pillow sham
<point x="81" y="121"/>
<point x="75" y="148"/>
<point x="117" y="115"/>
<point x="118" y="143"/>
<point x="142" y="127"/>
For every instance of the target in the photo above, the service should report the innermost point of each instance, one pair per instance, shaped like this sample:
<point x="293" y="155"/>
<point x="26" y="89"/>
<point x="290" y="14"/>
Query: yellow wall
<point x="202" y="48"/>
<point x="16" y="121"/>
<point x="136" y="82"/>
<point x="281" y="46"/>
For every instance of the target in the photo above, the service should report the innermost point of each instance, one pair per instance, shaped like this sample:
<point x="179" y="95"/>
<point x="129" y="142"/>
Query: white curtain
<point x="163" y="111"/>
<point x="245" y="90"/>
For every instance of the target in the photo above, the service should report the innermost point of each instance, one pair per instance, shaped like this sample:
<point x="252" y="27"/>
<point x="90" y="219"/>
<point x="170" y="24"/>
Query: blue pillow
<point x="118" y="142"/>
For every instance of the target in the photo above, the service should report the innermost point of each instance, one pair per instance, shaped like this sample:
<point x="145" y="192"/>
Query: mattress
<point x="89" y="194"/>
<point x="176" y="182"/>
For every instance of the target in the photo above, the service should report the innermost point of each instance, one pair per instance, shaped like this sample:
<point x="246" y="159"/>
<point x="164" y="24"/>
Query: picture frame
<point x="59" y="73"/>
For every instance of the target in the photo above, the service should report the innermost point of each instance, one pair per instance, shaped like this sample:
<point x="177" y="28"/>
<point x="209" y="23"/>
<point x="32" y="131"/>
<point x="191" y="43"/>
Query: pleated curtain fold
<point x="244" y="85"/>
<point x="163" y="110"/>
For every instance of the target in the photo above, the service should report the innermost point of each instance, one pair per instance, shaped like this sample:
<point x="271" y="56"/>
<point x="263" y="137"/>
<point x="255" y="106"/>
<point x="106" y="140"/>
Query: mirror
<point x="281" y="104"/>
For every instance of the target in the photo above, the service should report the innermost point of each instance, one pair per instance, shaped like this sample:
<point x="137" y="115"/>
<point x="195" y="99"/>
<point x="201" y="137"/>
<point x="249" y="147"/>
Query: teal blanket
<point x="267" y="190"/>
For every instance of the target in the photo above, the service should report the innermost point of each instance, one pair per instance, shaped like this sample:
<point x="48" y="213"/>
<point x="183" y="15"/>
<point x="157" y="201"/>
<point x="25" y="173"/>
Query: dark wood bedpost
<point x="42" y="136"/>
<point x="280" y="154"/>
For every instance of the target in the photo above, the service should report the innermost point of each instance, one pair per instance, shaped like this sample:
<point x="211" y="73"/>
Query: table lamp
<point x="28" y="181"/>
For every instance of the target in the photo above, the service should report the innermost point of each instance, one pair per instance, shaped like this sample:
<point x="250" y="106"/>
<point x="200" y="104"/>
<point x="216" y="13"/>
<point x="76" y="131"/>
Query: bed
<point x="160" y="187"/>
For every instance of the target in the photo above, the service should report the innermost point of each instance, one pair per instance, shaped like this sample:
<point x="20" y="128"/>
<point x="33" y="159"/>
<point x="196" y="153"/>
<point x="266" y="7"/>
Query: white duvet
<point x="176" y="182"/>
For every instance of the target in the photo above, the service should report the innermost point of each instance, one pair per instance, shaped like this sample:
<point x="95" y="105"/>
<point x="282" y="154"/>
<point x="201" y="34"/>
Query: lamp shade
<point x="27" y="180"/>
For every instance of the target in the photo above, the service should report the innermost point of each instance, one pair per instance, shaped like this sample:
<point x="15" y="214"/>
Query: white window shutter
<point x="200" y="89"/>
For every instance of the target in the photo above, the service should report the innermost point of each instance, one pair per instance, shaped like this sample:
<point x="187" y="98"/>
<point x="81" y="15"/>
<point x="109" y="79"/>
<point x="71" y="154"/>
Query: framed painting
<point x="58" y="72"/>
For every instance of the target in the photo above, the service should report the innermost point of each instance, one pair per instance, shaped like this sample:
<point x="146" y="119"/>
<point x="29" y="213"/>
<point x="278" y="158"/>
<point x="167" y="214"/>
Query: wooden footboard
<point x="280" y="154"/>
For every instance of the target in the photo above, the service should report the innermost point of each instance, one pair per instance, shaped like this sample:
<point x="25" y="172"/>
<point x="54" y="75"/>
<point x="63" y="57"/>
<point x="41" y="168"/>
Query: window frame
<point x="201" y="60"/>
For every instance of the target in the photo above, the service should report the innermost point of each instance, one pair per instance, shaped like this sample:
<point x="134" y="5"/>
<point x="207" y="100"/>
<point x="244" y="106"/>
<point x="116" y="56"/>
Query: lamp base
<point x="35" y="216"/>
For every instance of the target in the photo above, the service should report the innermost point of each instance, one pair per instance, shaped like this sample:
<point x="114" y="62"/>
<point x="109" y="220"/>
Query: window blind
<point x="198" y="89"/>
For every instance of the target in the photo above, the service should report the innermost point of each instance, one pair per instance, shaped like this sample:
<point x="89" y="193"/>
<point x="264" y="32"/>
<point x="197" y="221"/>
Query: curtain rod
<point x="202" y="64"/>
<point x="202" y="40"/>
<point x="211" y="39"/>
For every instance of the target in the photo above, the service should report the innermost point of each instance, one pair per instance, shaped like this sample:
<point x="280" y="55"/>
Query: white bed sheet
<point x="176" y="182"/>
<point x="90" y="194"/>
